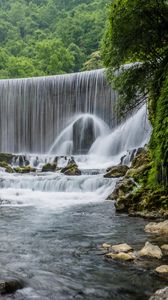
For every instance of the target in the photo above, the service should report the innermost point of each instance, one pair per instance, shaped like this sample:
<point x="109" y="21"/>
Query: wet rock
<point x="159" y="228"/>
<point x="71" y="169"/>
<point x="123" y="187"/>
<point x="10" y="286"/>
<point x="120" y="256"/>
<point x="106" y="246"/>
<point x="141" y="158"/>
<point x="121" y="248"/>
<point x="165" y="249"/>
<point x="162" y="269"/>
<point x="49" y="167"/>
<point x="6" y="157"/>
<point x="24" y="170"/>
<point x="116" y="171"/>
<point x="9" y="169"/>
<point x="160" y="294"/>
<point x="139" y="172"/>
<point x="150" y="250"/>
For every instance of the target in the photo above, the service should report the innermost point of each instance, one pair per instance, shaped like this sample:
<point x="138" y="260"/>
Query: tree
<point x="136" y="33"/>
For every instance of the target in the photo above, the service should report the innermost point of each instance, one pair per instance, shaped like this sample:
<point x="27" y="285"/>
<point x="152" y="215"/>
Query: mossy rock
<point x="3" y="164"/>
<point x="122" y="188"/>
<point x="116" y="171"/>
<point x="139" y="173"/>
<point x="71" y="169"/>
<point x="9" y="169"/>
<point x="141" y="158"/>
<point x="24" y="170"/>
<point x="6" y="157"/>
<point x="49" y="167"/>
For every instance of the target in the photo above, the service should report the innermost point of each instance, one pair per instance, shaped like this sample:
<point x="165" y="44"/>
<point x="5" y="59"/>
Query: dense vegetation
<point x="137" y="35"/>
<point x="41" y="37"/>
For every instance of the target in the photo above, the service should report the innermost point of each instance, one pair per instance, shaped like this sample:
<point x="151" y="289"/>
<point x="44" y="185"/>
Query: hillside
<point x="47" y="37"/>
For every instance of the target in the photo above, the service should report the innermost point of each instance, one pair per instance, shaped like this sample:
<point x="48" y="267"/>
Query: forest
<point x="48" y="37"/>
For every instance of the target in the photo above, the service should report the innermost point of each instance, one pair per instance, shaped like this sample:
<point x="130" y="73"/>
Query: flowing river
<point x="52" y="225"/>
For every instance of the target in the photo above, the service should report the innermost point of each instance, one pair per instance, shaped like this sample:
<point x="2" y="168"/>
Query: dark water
<point x="57" y="254"/>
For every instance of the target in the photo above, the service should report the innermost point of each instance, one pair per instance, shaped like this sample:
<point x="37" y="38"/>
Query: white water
<point x="63" y="116"/>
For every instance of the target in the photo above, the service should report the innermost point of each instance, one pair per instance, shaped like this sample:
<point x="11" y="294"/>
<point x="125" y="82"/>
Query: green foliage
<point x="159" y="140"/>
<point x="137" y="35"/>
<point x="45" y="37"/>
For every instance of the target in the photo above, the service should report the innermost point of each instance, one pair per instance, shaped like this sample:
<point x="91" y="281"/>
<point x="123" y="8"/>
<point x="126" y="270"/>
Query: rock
<point x="123" y="203"/>
<point x="121" y="248"/>
<point x="9" y="169"/>
<point x="49" y="167"/>
<point x="165" y="248"/>
<point x="10" y="286"/>
<point x="151" y="250"/>
<point x="116" y="171"/>
<point x="6" y="157"/>
<point x="106" y="246"/>
<point x="141" y="158"/>
<point x="3" y="164"/>
<point x="122" y="188"/>
<point x="24" y="170"/>
<point x="160" y="228"/>
<point x="121" y="256"/>
<point x="139" y="172"/>
<point x="162" y="269"/>
<point x="160" y="294"/>
<point x="71" y="169"/>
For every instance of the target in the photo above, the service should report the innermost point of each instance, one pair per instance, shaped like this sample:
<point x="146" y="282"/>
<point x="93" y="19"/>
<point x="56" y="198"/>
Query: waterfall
<point x="34" y="111"/>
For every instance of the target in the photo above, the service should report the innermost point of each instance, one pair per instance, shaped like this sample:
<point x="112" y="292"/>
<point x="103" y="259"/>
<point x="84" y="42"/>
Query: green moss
<point x="49" y="167"/>
<point x="159" y="141"/>
<point x="6" y="157"/>
<point x="24" y="170"/>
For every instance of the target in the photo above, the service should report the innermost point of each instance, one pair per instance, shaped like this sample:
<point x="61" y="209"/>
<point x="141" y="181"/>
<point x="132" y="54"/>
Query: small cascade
<point x="79" y="135"/>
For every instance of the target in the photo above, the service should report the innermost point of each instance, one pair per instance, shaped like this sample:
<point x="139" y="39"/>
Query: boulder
<point x="165" y="248"/>
<point x="121" y="248"/>
<point x="160" y="294"/>
<point x="162" y="269"/>
<point x="120" y="256"/>
<point x="71" y="169"/>
<point x="116" y="171"/>
<point x="6" y="157"/>
<point x="24" y="170"/>
<point x="159" y="228"/>
<point x="122" y="188"/>
<point x="10" y="286"/>
<point x="49" y="167"/>
<point x="151" y="250"/>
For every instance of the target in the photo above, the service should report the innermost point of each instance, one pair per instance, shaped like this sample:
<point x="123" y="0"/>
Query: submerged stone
<point x="120" y="256"/>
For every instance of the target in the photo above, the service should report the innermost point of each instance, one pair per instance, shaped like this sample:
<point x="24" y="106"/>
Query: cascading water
<point x="50" y="119"/>
<point x="34" y="111"/>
